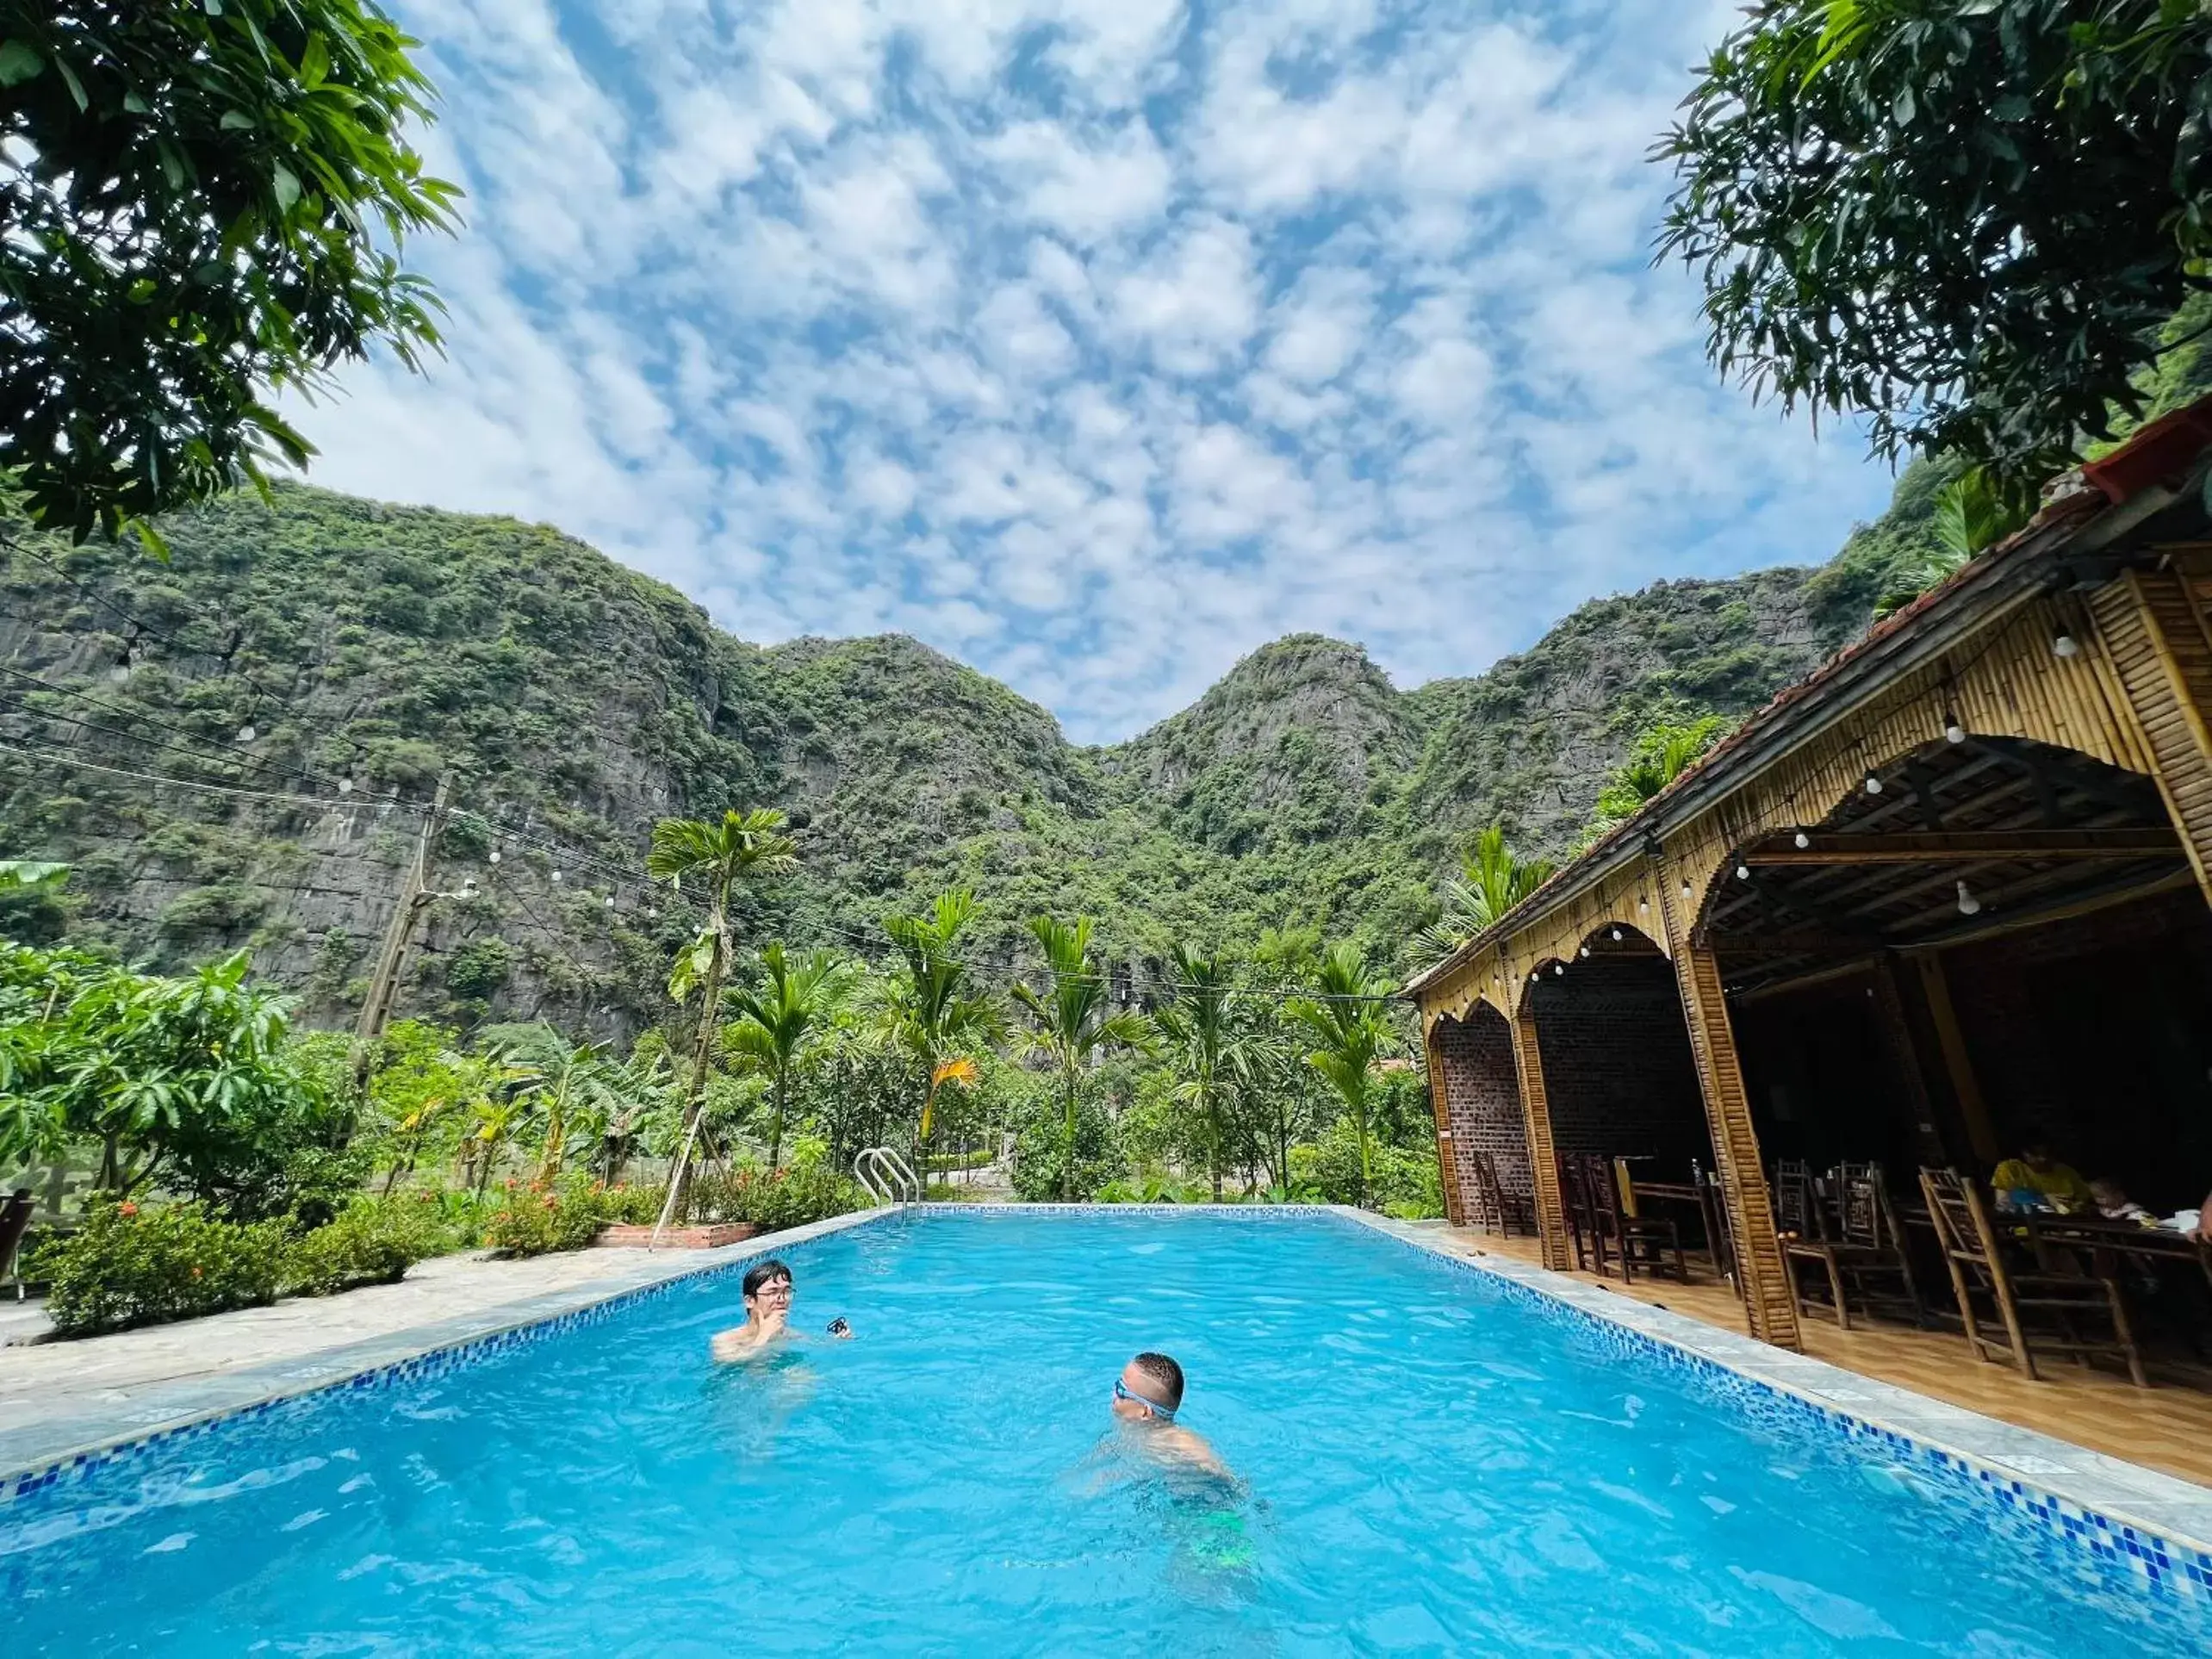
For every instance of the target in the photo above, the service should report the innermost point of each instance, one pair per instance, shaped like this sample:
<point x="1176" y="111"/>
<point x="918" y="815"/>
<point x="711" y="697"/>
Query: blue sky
<point x="1093" y="342"/>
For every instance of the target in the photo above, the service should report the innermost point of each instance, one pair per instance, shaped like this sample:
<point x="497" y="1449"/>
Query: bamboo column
<point x="2152" y="632"/>
<point x="1763" y="1273"/>
<point x="1447" y="1161"/>
<point x="1535" y="1120"/>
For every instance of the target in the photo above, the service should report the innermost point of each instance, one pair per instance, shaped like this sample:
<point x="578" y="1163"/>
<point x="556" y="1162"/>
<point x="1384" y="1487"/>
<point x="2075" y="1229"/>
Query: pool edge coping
<point x="2026" y="1459"/>
<point x="194" y="1402"/>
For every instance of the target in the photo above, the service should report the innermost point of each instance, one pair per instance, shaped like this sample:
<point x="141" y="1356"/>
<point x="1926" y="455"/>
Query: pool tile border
<point x="2114" y="1511"/>
<point x="65" y="1449"/>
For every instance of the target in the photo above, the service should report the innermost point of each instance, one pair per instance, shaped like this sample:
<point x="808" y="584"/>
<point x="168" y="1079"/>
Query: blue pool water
<point x="1430" y="1463"/>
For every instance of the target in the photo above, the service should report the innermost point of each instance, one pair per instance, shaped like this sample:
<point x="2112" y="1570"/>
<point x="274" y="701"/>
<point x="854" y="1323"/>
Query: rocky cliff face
<point x="233" y="748"/>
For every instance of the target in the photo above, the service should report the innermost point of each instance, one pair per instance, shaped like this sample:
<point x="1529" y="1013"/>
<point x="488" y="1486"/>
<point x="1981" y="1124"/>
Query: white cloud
<point x="1096" y="340"/>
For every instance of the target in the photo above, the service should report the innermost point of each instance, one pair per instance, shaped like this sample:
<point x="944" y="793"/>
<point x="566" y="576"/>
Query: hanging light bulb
<point x="1586" y="950"/>
<point x="468" y="888"/>
<point x="1686" y="889"/>
<point x="1558" y="968"/>
<point x="609" y="901"/>
<point x="346" y="787"/>
<point x="557" y="875"/>
<point x="1802" y="839"/>
<point x="652" y="913"/>
<point x="1954" y="732"/>
<point x="1616" y="934"/>
<point x="2063" y="645"/>
<point x="1968" y="904"/>
<point x="1642" y="905"/>
<point x="495" y="855"/>
<point x="121" y="671"/>
<point x="1743" y="872"/>
<point x="246" y="734"/>
<point x="1874" y="785"/>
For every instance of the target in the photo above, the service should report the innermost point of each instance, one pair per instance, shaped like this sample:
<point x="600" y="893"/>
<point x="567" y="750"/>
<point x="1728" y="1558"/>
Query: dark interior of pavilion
<point x="1991" y="946"/>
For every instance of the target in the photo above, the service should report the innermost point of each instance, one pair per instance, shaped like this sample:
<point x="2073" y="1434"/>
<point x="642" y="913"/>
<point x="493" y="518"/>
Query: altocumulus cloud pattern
<point x="1093" y="341"/>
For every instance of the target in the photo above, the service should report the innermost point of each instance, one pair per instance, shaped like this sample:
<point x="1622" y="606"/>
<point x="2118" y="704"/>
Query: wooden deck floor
<point x="2167" y="1427"/>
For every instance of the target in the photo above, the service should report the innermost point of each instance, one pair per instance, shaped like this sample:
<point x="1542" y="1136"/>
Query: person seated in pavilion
<point x="2037" y="1180"/>
<point x="2114" y="1204"/>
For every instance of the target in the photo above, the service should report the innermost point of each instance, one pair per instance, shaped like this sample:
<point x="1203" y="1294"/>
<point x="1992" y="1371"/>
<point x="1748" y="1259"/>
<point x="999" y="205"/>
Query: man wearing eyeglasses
<point x="1146" y="1396"/>
<point x="768" y="1288"/>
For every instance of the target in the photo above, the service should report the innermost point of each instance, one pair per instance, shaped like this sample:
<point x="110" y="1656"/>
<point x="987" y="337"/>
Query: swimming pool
<point x="1432" y="1460"/>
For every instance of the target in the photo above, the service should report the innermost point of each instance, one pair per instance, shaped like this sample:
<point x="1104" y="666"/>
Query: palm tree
<point x="742" y="846"/>
<point x="1344" y="1017"/>
<point x="780" y="1017"/>
<point x="1073" y="1020"/>
<point x="1213" y="1054"/>
<point x="1492" y="880"/>
<point x="931" y="1008"/>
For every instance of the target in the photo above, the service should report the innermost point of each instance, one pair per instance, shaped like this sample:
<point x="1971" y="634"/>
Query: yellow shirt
<point x="2063" y="1186"/>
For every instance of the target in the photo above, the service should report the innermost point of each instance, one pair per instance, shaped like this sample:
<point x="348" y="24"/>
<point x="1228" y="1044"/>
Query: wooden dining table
<point x="2105" y="1239"/>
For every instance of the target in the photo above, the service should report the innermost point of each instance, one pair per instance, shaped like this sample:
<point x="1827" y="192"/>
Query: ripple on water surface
<point x="1426" y="1465"/>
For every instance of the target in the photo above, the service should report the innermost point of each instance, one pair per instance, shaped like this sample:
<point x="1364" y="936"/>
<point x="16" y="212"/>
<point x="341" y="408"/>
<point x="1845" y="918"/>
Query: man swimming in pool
<point x="1146" y="1396"/>
<point x="768" y="1287"/>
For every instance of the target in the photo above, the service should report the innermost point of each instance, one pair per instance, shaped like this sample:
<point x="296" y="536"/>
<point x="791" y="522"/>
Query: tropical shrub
<point x="536" y="1220"/>
<point x="1041" y="1171"/>
<point x="129" y="1264"/>
<point x="1402" y="1181"/>
<point x="370" y="1242"/>
<point x="789" y="1197"/>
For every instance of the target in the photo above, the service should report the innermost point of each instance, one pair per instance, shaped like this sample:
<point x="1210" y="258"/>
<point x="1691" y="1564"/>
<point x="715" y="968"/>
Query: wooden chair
<point x="1861" y="1247"/>
<point x="1639" y="1240"/>
<point x="1974" y="1253"/>
<point x="1581" y="1220"/>
<point x="1495" y="1207"/>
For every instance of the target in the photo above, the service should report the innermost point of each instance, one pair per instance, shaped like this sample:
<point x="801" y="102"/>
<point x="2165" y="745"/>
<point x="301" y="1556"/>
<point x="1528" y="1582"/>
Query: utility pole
<point x="414" y="894"/>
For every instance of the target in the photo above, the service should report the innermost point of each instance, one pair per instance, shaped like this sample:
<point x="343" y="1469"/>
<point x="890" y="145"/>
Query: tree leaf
<point x="287" y="185"/>
<point x="19" y="62"/>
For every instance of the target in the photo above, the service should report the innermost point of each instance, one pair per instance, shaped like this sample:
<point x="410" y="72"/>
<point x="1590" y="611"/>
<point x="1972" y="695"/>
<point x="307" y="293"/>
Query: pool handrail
<point x="886" y="1177"/>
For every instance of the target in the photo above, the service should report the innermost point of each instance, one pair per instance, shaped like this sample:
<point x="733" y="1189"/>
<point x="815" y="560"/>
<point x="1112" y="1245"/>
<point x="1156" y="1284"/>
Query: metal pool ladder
<point x="887" y="1177"/>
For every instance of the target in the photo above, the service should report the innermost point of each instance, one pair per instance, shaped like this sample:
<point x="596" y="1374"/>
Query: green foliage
<point x="204" y="204"/>
<point x="931" y="1007"/>
<point x="1345" y="1021"/>
<point x="1402" y="1181"/>
<point x="1071" y="1020"/>
<point x="1492" y="880"/>
<point x="772" y="1200"/>
<point x="479" y="968"/>
<point x="780" y="1019"/>
<point x="1049" y="1164"/>
<point x="182" y="1079"/>
<point x="369" y="1242"/>
<point x="537" y="1219"/>
<point x="129" y="1264"/>
<point x="1965" y="219"/>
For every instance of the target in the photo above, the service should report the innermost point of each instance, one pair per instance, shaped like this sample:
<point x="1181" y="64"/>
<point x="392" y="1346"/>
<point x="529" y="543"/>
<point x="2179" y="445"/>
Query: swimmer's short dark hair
<point x="761" y="1273"/>
<point x="1165" y="1372"/>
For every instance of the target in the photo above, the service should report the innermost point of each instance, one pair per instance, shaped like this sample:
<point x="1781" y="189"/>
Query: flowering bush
<point x="132" y="1265"/>
<point x="535" y="1218"/>
<point x="790" y="1197"/>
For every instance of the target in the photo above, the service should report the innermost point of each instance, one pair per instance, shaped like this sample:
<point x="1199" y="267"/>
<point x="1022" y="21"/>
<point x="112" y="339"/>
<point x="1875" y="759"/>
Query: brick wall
<point x="1481" y="1107"/>
<point x="1618" y="1067"/>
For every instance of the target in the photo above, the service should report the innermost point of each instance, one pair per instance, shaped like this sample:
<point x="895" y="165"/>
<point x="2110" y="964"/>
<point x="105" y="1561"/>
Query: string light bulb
<point x="2063" y="645"/>
<point x="1642" y="905"/>
<point x="1802" y="839"/>
<point x="1968" y="904"/>
<point x="1874" y="784"/>
<point x="652" y="913"/>
<point x="346" y="787"/>
<point x="609" y="901"/>
<point x="1953" y="731"/>
<point x="1558" y="968"/>
<point x="495" y="855"/>
<point x="1586" y="950"/>
<point x="557" y="875"/>
<point x="1616" y="935"/>
<point x="1686" y="889"/>
<point x="247" y="733"/>
<point x="1743" y="872"/>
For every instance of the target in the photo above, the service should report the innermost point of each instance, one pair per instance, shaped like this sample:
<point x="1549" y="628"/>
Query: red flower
<point x="126" y="1210"/>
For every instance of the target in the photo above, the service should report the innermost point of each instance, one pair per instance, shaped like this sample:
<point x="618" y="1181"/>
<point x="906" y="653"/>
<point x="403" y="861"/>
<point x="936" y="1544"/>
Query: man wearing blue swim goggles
<point x="1146" y="1396"/>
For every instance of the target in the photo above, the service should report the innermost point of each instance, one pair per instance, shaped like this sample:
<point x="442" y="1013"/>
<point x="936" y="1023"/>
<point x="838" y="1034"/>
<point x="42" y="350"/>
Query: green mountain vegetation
<point x="574" y="702"/>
